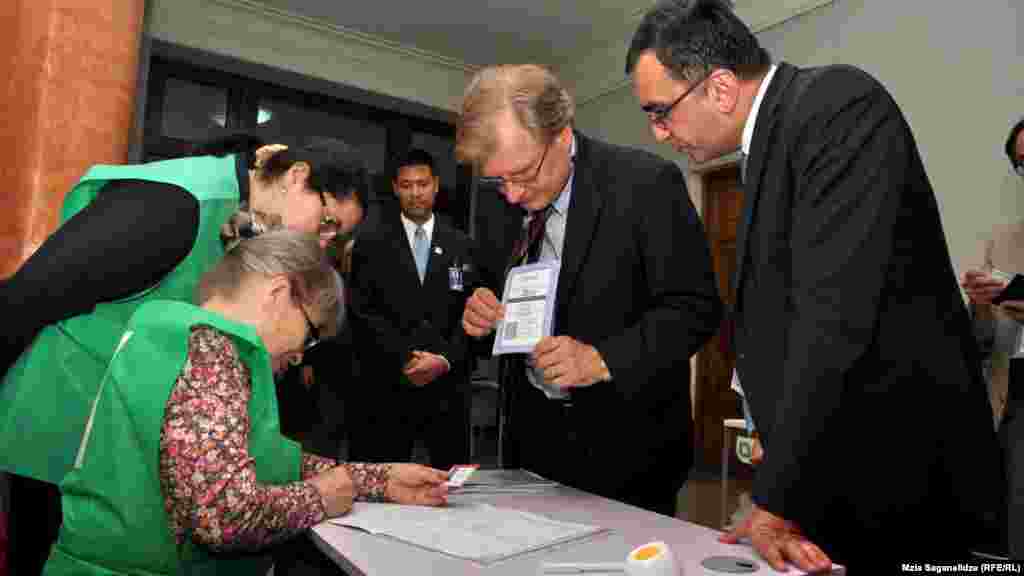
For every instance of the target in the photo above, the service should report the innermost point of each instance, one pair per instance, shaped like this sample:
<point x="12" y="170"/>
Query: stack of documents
<point x="506" y="482"/>
<point x="473" y="531"/>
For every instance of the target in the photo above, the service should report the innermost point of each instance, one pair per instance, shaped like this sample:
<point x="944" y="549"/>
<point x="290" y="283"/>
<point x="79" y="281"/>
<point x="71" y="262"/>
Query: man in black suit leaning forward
<point x="604" y="404"/>
<point x="853" y="342"/>
<point x="408" y="292"/>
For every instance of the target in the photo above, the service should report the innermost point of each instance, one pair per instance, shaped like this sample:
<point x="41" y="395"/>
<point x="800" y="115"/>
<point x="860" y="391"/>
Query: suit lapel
<point x="437" y="274"/>
<point x="766" y="119"/>
<point x="407" y="261"/>
<point x="581" y="219"/>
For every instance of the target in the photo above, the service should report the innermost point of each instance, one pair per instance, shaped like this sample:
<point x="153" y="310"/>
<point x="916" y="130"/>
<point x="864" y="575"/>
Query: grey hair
<point x="296" y="255"/>
<point x="533" y="93"/>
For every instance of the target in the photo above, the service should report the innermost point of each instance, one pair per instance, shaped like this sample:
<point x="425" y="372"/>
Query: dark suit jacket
<point x="393" y="314"/>
<point x="636" y="283"/>
<point x="855" y="349"/>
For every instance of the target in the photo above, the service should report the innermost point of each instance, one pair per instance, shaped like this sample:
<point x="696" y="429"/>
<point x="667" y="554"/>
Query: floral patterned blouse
<point x="208" y="477"/>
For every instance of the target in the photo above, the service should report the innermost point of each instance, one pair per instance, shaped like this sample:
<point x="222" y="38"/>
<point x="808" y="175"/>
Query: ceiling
<point x="583" y="41"/>
<point x="482" y="32"/>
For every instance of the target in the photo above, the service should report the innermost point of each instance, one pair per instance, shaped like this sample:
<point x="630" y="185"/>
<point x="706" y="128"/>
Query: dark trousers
<point x="1011" y="438"/>
<point x="550" y="438"/>
<point x="384" y="424"/>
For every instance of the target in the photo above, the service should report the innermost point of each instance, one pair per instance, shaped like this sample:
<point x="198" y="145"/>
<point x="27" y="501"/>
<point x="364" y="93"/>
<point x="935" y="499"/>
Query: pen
<point x="584" y="567"/>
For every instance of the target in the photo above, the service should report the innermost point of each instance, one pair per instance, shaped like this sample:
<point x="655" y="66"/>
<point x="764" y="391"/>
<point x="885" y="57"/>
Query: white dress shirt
<point x="551" y="249"/>
<point x="410" y="231"/>
<point x="748" y="127"/>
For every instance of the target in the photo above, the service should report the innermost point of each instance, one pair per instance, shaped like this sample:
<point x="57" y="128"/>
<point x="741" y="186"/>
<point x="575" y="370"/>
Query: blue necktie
<point x="421" y="250"/>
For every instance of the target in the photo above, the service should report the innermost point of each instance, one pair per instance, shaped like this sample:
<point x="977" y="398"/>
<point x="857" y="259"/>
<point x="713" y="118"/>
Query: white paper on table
<point x="529" y="300"/>
<point x="473" y="531"/>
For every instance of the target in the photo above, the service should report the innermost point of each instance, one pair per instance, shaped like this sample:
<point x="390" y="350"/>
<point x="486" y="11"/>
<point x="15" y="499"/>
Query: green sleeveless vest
<point x="46" y="395"/>
<point x="114" y="518"/>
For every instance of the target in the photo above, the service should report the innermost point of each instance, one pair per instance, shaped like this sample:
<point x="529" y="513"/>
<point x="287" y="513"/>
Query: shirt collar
<point x="748" y="128"/>
<point x="410" y="226"/>
<point x="561" y="203"/>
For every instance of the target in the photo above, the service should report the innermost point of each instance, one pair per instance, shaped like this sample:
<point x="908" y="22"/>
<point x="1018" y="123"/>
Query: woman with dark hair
<point x="130" y="234"/>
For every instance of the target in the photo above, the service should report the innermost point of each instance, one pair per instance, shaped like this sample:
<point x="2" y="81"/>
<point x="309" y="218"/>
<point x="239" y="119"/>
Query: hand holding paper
<point x="418" y="485"/>
<point x="569" y="363"/>
<point x="981" y="286"/>
<point x="482" y="313"/>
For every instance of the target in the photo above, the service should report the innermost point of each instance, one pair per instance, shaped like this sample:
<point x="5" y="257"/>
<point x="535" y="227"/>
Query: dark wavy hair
<point x="691" y="37"/>
<point x="335" y="167"/>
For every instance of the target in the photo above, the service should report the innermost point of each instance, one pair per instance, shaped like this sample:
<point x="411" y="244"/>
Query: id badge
<point x="745" y="449"/>
<point x="455" y="278"/>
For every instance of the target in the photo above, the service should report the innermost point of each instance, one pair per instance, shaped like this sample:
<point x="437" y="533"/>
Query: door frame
<point x="696" y="177"/>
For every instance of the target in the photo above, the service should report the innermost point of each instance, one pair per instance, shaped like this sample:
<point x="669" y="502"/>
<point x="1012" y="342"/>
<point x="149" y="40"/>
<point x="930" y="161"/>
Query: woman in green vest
<point x="130" y="234"/>
<point x="182" y="468"/>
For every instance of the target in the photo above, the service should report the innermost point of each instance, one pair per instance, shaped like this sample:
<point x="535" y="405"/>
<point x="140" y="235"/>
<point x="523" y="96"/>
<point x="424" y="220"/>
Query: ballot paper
<point x="472" y="531"/>
<point x="506" y="481"/>
<point x="529" y="300"/>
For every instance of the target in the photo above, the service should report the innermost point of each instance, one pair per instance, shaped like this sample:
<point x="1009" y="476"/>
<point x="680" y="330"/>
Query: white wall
<point x="248" y="31"/>
<point x="953" y="67"/>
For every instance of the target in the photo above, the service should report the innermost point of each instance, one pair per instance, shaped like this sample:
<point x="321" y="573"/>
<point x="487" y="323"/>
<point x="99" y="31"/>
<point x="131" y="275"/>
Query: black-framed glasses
<point x="501" y="182"/>
<point x="659" y="113"/>
<point x="328" y="225"/>
<point x="313" y="335"/>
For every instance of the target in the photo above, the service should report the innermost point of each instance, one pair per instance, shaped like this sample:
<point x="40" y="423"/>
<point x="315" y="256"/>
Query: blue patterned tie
<point x="421" y="250"/>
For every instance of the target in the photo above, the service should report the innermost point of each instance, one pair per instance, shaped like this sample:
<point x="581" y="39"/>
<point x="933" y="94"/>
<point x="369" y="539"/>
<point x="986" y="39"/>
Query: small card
<point x="458" y="475"/>
<point x="529" y="300"/>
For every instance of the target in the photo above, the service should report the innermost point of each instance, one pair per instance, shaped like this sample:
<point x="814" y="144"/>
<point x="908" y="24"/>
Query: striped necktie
<point x="529" y="239"/>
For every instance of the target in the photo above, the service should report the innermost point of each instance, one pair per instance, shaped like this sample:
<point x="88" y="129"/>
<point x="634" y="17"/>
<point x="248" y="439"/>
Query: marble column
<point x="70" y="70"/>
<point x="70" y="67"/>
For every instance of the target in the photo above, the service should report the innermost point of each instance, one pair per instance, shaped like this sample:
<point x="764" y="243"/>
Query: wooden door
<point x="714" y="400"/>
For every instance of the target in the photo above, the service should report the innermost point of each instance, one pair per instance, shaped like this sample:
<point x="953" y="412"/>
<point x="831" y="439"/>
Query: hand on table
<point x="568" y="363"/>
<point x="482" y="313"/>
<point x="425" y="367"/>
<point x="778" y="541"/>
<point x="418" y="485"/>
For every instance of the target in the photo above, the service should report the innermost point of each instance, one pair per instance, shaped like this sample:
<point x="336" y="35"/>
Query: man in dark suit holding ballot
<point x="854" y="346"/>
<point x="603" y="402"/>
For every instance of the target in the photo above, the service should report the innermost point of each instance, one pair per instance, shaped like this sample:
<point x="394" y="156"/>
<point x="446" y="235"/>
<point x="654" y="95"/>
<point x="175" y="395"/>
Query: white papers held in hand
<point x="529" y="300"/>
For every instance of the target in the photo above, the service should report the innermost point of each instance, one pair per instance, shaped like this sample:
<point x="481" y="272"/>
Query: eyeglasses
<point x="313" y="336"/>
<point x="504" y="183"/>
<point x="659" y="113"/>
<point x="328" y="225"/>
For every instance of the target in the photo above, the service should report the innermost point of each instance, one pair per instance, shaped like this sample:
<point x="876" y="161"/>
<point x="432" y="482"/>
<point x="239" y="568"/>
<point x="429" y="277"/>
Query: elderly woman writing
<point x="182" y="468"/>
